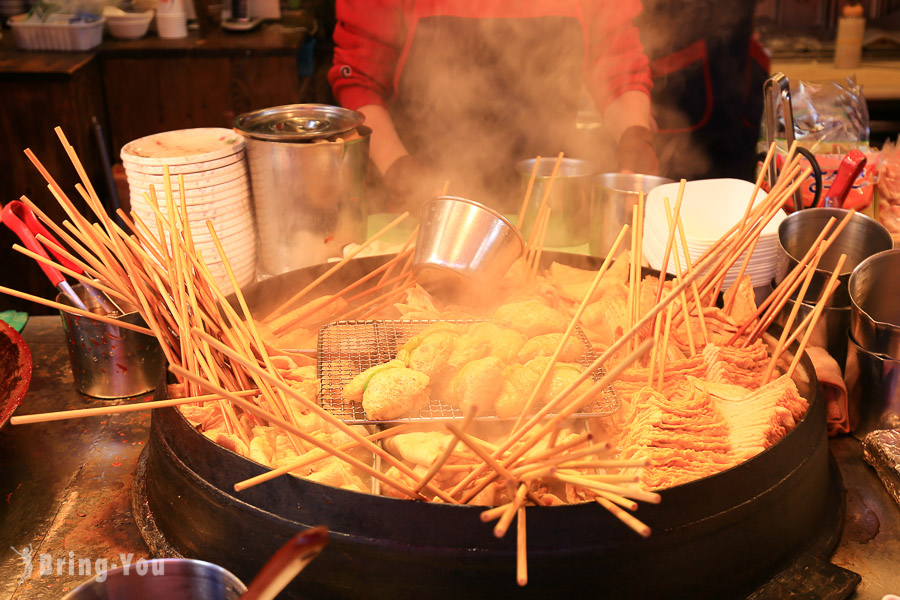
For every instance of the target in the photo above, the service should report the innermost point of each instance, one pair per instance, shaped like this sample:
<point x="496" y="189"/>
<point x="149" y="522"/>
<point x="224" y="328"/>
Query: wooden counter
<point x="134" y="88"/>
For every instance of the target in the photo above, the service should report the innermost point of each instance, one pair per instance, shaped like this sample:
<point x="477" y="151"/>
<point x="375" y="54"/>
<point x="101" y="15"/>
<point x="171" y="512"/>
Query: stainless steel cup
<point x="569" y="199"/>
<point x="830" y="331"/>
<point x="873" y="390"/>
<point x="862" y="238"/>
<point x="613" y="198"/>
<point x="463" y="247"/>
<point x="162" y="578"/>
<point x="109" y="361"/>
<point x="875" y="309"/>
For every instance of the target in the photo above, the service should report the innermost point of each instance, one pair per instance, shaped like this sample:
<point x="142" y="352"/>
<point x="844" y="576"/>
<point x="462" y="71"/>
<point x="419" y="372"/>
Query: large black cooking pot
<point x="722" y="536"/>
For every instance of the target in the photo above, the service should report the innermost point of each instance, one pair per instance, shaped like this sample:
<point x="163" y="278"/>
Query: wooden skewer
<point x="633" y="276"/>
<point x="340" y="264"/>
<point x="708" y="259"/>
<point x="628" y="492"/>
<point x="686" y="312"/>
<point x="406" y="250"/>
<point x="562" y="413"/>
<point x="622" y="501"/>
<point x="436" y="466"/>
<point x="545" y="197"/>
<point x="492" y="514"/>
<point x="290" y="428"/>
<point x="521" y="549"/>
<point x="670" y="239"/>
<point x="785" y="283"/>
<point x="573" y="322"/>
<point x="788" y="289"/>
<point x="506" y="518"/>
<point x="665" y="347"/>
<point x="799" y="329"/>
<point x="62" y="269"/>
<point x="635" y="524"/>
<point x="833" y="284"/>
<point x="314" y="407"/>
<point x="313" y="457"/>
<point x="694" y="290"/>
<point x="118" y="410"/>
<point x="779" y="348"/>
<point x="651" y="365"/>
<point x="75" y="311"/>
<point x="477" y="449"/>
<point x="523" y="210"/>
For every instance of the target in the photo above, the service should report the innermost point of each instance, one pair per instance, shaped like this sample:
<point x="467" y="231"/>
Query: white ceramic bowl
<point x="129" y="26"/>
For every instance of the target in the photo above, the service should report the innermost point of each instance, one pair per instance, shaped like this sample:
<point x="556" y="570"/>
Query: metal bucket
<point x="463" y="247"/>
<point x="109" y="361"/>
<point x="830" y="331"/>
<point x="307" y="170"/>
<point x="614" y="196"/>
<point x="873" y="390"/>
<point x="875" y="312"/>
<point x="569" y="199"/>
<point x="862" y="238"/>
<point x="168" y="578"/>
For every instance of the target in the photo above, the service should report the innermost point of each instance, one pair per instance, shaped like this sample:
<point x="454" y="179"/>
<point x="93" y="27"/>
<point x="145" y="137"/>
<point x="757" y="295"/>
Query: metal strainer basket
<point x="347" y="348"/>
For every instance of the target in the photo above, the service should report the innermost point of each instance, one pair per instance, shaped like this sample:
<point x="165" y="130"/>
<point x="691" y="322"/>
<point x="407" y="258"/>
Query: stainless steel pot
<point x="307" y="170"/>
<point x="875" y="310"/>
<point x="873" y="390"/>
<point x="862" y="238"/>
<point x="830" y="331"/>
<point x="162" y="578"/>
<point x="613" y="198"/>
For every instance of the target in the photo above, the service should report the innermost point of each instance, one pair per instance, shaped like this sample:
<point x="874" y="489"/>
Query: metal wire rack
<point x="347" y="348"/>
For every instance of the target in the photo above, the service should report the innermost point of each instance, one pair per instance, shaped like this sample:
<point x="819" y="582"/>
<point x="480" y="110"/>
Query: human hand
<point x="410" y="183"/>
<point x="637" y="151"/>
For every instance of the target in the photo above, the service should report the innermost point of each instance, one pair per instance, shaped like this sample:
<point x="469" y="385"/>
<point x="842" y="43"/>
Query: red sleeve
<point x="616" y="62"/>
<point x="367" y="39"/>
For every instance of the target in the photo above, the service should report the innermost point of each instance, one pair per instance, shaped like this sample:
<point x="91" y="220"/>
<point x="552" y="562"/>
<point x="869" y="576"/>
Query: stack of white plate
<point x="709" y="209"/>
<point x="216" y="189"/>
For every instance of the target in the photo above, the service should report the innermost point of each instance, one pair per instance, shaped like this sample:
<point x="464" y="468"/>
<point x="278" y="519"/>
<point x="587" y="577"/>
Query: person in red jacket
<point x="458" y="90"/>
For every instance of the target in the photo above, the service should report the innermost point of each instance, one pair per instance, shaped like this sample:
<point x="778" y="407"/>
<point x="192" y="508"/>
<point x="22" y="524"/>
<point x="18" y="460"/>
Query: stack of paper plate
<point x="709" y="209"/>
<point x="216" y="189"/>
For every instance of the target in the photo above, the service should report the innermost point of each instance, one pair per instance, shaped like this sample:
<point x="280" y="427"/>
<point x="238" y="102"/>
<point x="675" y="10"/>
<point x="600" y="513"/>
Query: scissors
<point x="21" y="220"/>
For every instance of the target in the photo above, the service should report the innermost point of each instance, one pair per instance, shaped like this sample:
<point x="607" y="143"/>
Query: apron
<point x="477" y="95"/>
<point x="707" y="86"/>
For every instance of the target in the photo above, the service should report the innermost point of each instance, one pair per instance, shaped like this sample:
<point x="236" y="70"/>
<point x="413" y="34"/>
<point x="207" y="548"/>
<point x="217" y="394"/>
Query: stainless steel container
<point x="109" y="361"/>
<point x="862" y="238"/>
<point x="307" y="170"/>
<point x="613" y="198"/>
<point x="830" y="331"/>
<point x="162" y="579"/>
<point x="875" y="303"/>
<point x="873" y="390"/>
<point x="463" y="248"/>
<point x="569" y="199"/>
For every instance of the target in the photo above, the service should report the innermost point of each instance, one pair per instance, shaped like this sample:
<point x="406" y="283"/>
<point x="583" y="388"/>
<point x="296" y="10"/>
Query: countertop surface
<point x="266" y="40"/>
<point x="65" y="490"/>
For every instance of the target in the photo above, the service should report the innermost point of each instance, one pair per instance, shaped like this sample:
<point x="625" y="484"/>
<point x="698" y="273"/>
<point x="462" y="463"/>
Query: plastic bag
<point x="889" y="187"/>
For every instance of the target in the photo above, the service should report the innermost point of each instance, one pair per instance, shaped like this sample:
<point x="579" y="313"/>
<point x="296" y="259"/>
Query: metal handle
<point x="780" y="83"/>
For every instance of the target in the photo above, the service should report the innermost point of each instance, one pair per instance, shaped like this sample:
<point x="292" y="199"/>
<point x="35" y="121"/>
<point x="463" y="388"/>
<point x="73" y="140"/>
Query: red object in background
<point x="15" y="371"/>
<point x="849" y="170"/>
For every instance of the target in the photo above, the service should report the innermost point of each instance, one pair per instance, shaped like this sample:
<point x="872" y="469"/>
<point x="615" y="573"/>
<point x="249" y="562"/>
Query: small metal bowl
<point x="862" y="238"/>
<point x="169" y="578"/>
<point x="875" y="312"/>
<point x="463" y="247"/>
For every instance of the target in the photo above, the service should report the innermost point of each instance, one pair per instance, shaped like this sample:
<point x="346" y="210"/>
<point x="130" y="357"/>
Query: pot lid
<point x="297" y="122"/>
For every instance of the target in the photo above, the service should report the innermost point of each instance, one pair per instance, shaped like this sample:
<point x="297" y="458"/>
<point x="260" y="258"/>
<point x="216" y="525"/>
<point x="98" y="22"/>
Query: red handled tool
<point x="22" y="221"/>
<point x="848" y="171"/>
